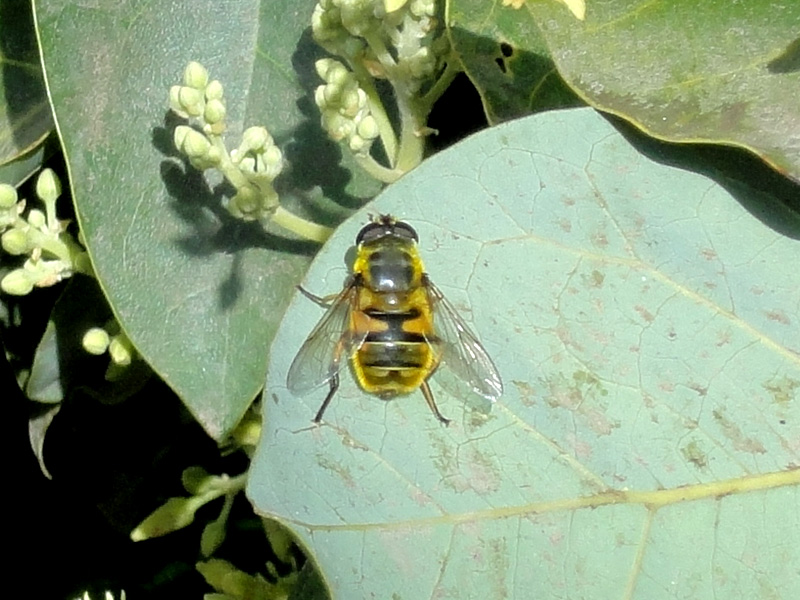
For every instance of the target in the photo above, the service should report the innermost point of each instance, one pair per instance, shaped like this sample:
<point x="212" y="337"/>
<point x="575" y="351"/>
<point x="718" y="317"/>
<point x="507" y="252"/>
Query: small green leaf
<point x="196" y="480"/>
<point x="175" y="514"/>
<point x="44" y="383"/>
<point x="214" y="532"/>
<point x="234" y="583"/>
<point x="647" y="329"/>
<point x="37" y="429"/>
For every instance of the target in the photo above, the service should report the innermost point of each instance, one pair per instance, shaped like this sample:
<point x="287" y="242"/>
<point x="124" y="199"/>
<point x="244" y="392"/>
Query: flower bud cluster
<point x="345" y="107"/>
<point x="51" y="252"/>
<point x="259" y="161"/>
<point x="395" y="39"/>
<point x="200" y="99"/>
<point x="251" y="168"/>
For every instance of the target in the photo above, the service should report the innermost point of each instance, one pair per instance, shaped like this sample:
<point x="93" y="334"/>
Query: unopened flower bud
<point x="255" y="139"/>
<point x="214" y="90"/>
<point x="368" y="128"/>
<point x="213" y="157"/>
<point x="191" y="101"/>
<point x="175" y="101"/>
<point x="215" y="111"/>
<point x="319" y="97"/>
<point x="332" y="93"/>
<point x="357" y="143"/>
<point x="96" y="341"/>
<point x="322" y="66"/>
<point x="337" y="74"/>
<point x="195" y="75"/>
<point x="8" y="196"/>
<point x="337" y="126"/>
<point x="17" y="283"/>
<point x="15" y="242"/>
<point x="195" y="144"/>
<point x="273" y="162"/>
<point x="393" y="5"/>
<point x="37" y="219"/>
<point x="48" y="186"/>
<point x="120" y="350"/>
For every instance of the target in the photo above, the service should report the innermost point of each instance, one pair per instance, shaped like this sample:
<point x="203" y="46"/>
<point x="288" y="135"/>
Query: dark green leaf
<point x="507" y="60"/>
<point x="719" y="72"/>
<point x="199" y="294"/>
<point x="25" y="117"/>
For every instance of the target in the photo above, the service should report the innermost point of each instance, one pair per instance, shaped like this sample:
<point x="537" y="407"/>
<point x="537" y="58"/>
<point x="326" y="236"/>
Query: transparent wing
<point x="327" y="347"/>
<point x="461" y="350"/>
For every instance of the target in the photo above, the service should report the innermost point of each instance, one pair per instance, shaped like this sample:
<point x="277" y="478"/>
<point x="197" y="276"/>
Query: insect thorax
<point x="391" y="266"/>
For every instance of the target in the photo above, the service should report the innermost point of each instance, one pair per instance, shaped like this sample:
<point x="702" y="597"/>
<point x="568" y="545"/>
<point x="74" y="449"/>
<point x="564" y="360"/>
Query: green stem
<point x="224" y="487"/>
<point x="236" y="484"/>
<point x="378" y="111"/>
<point x="306" y="229"/>
<point x="412" y="142"/>
<point x="50" y="244"/>
<point x="376" y="170"/>
<point x="226" y="166"/>
<point x="380" y="50"/>
<point x="451" y="69"/>
<point x="50" y="212"/>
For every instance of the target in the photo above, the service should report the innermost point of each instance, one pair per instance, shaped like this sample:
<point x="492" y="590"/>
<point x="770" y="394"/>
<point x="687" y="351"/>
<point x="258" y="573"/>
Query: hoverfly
<point x="393" y="325"/>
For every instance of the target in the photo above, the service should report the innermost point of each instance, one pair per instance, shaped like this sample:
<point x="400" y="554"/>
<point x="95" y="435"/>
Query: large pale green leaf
<point x="647" y="329"/>
<point x="721" y="72"/>
<point x="198" y="293"/>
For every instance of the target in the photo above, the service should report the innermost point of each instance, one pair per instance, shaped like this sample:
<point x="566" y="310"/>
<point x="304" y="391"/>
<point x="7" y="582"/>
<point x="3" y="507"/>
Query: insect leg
<point x="426" y="391"/>
<point x="324" y="301"/>
<point x="334" y="387"/>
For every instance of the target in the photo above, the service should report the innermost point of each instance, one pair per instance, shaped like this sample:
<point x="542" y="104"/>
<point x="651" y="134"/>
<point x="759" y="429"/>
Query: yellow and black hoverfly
<point x="393" y="325"/>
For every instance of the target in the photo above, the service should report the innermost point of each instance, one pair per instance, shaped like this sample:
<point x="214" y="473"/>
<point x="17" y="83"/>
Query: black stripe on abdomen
<point x="394" y="355"/>
<point x="401" y="337"/>
<point x="394" y="322"/>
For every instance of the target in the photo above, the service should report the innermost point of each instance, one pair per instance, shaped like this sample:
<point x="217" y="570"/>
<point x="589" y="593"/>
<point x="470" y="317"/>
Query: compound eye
<point x="369" y="232"/>
<point x="405" y="230"/>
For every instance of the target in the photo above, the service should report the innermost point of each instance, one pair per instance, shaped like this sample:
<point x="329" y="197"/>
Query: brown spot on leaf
<point x="733" y="432"/>
<point x="600" y="239"/>
<point x="700" y="389"/>
<point x="694" y="454"/>
<point x="782" y="390"/>
<point x="708" y="254"/>
<point x="644" y="313"/>
<point x="778" y="316"/>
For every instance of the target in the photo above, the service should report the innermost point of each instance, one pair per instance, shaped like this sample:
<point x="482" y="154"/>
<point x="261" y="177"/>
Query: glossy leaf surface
<point x="199" y="294"/>
<point x="25" y="118"/>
